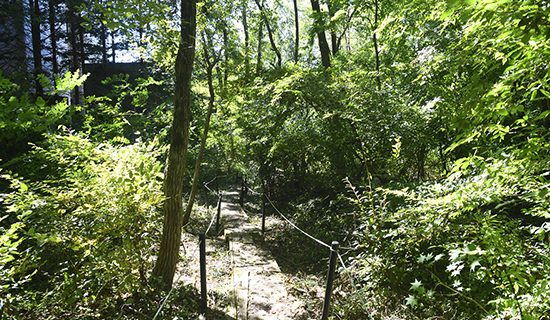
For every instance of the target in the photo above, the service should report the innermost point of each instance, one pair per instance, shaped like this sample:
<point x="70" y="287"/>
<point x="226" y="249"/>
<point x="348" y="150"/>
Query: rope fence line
<point x="335" y="257"/>
<point x="292" y="223"/>
<point x="165" y="299"/>
<point x="211" y="221"/>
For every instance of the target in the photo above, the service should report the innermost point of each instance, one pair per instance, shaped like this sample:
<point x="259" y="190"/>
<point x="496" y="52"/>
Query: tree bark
<point x="165" y="266"/>
<point x="269" y="33"/>
<point x="36" y="43"/>
<point x="103" y="42"/>
<point x="260" y="48"/>
<point x="53" y="36"/>
<point x="212" y="96"/>
<point x="225" y="55"/>
<point x="296" y="32"/>
<point x="332" y="9"/>
<point x="246" y="41"/>
<point x="323" y="44"/>
<point x="113" y="48"/>
<point x="375" y="43"/>
<point x="71" y="32"/>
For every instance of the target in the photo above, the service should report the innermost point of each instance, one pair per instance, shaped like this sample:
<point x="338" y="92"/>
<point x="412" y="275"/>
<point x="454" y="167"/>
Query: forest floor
<point x="249" y="276"/>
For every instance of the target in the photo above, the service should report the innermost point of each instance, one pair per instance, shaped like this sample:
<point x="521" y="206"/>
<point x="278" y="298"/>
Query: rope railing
<point x="334" y="254"/>
<point x="290" y="221"/>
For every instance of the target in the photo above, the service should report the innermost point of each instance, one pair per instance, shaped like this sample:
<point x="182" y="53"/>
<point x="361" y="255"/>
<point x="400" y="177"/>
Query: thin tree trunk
<point x="260" y="48"/>
<point x="323" y="44"/>
<point x="113" y="49"/>
<point x="332" y="9"/>
<point x="297" y="32"/>
<point x="246" y="41"/>
<point x="71" y="31"/>
<point x="225" y="58"/>
<point x="82" y="46"/>
<point x="375" y="43"/>
<point x="36" y="43"/>
<point x="196" y="173"/>
<point x="165" y="266"/>
<point x="270" y="33"/>
<point x="53" y="36"/>
<point x="103" y="41"/>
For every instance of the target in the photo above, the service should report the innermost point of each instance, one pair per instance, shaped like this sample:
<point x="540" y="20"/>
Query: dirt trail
<point x="243" y="277"/>
<point x="257" y="280"/>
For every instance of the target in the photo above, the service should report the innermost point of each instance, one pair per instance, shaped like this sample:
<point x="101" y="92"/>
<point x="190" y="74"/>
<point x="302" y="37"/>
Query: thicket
<point x="425" y="152"/>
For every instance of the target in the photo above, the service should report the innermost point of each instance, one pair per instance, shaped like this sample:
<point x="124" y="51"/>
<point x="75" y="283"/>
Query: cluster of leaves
<point x="79" y="243"/>
<point x="474" y="244"/>
<point x="24" y="119"/>
<point x="479" y="238"/>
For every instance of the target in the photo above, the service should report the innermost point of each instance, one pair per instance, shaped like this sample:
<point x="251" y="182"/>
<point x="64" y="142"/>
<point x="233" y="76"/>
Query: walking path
<point x="258" y="284"/>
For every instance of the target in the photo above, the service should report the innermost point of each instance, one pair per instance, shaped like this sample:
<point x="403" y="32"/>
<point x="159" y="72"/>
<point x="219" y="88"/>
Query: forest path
<point x="258" y="283"/>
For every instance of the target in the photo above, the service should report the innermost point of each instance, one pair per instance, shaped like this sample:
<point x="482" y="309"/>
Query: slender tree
<point x="167" y="259"/>
<point x="53" y="35"/>
<point x="270" y="32"/>
<point x="333" y="7"/>
<point x="375" y="44"/>
<point x="296" y="32"/>
<point x="244" y="13"/>
<point x="72" y="32"/>
<point x="34" y="5"/>
<point x="321" y="37"/>
<point x="210" y="62"/>
<point x="260" y="47"/>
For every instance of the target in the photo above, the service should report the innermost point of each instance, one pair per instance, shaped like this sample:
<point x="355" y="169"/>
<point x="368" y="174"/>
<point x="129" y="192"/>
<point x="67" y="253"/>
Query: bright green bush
<point x="79" y="243"/>
<point x="475" y="244"/>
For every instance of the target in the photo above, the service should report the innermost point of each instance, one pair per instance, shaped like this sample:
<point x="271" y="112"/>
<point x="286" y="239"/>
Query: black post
<point x="330" y="278"/>
<point x="263" y="214"/>
<point x="202" y="250"/>
<point x="218" y="214"/>
<point x="241" y="199"/>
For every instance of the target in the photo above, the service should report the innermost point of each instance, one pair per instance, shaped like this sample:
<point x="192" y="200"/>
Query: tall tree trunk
<point x="53" y="35"/>
<point x="323" y="44"/>
<point x="211" y="99"/>
<point x="36" y="43"/>
<point x="103" y="42"/>
<point x="225" y="55"/>
<point x="269" y="33"/>
<point x="246" y="40"/>
<point x="297" y="32"/>
<point x="82" y="45"/>
<point x="165" y="266"/>
<point x="260" y="48"/>
<point x="71" y="31"/>
<point x="375" y="43"/>
<point x="113" y="48"/>
<point x="332" y="9"/>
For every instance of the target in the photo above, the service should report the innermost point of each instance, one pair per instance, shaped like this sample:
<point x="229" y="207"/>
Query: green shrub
<point x="475" y="244"/>
<point x="79" y="243"/>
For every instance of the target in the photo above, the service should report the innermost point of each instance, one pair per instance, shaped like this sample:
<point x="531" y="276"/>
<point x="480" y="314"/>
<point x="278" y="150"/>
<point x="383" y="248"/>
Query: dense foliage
<point x="423" y="148"/>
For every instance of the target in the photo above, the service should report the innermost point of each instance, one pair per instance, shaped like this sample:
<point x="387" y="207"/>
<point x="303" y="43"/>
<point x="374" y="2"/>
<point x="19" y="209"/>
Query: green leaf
<point x="40" y="102"/>
<point x="416" y="285"/>
<point x="411" y="301"/>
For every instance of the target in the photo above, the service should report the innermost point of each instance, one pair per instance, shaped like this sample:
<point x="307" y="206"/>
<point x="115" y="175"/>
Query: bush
<point x="475" y="244"/>
<point x="79" y="243"/>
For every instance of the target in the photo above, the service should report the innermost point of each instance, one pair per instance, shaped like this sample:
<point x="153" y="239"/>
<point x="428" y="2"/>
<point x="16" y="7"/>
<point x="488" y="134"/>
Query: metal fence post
<point x="218" y="214"/>
<point x="202" y="251"/>
<point x="263" y="214"/>
<point x="330" y="278"/>
<point x="241" y="199"/>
